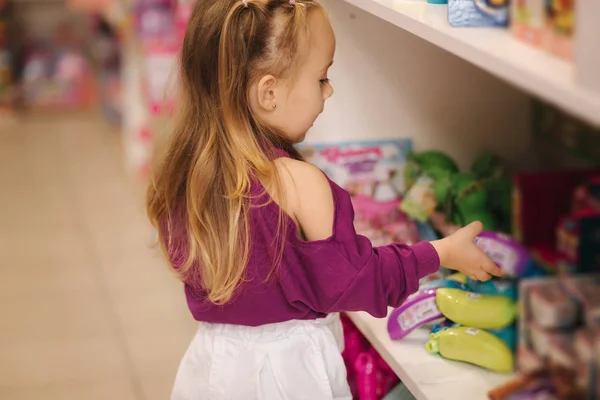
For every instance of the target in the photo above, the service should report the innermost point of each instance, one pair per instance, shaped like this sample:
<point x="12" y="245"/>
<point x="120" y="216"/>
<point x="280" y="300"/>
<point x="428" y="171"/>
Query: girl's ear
<point x="266" y="93"/>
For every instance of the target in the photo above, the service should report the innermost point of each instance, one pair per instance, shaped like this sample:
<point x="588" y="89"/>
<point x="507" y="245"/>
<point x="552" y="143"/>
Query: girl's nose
<point x="328" y="92"/>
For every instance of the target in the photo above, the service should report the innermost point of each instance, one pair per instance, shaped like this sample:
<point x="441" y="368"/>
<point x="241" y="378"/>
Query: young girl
<point x="264" y="242"/>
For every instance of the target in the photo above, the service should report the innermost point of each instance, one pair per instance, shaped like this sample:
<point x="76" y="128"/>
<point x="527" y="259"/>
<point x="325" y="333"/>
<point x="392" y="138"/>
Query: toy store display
<point x="557" y="216"/>
<point x="560" y="328"/>
<point x="137" y="135"/>
<point x="434" y="183"/>
<point x="58" y="75"/>
<point x="470" y="321"/>
<point x="475" y="328"/>
<point x="160" y="26"/>
<point x="150" y="48"/>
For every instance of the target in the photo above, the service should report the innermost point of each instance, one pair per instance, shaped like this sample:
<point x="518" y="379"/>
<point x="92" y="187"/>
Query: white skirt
<point x="291" y="360"/>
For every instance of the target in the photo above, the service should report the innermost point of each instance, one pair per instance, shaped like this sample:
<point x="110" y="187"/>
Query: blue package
<point x="494" y="287"/>
<point x="508" y="335"/>
<point x="478" y="13"/>
<point x="441" y="283"/>
<point x="445" y="324"/>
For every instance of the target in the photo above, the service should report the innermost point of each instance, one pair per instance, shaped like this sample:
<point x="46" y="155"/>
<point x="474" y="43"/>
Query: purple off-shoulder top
<point x="341" y="273"/>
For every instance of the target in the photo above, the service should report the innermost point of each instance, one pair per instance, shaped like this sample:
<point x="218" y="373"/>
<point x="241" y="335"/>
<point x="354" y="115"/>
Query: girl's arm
<point x="343" y="271"/>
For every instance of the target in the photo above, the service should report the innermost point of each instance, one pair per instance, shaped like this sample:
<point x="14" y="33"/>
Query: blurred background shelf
<point x="493" y="50"/>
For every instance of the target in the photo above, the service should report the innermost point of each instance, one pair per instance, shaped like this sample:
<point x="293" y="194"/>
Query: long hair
<point x="198" y="198"/>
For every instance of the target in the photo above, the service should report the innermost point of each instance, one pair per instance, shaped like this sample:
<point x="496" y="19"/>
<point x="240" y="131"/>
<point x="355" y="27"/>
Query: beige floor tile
<point x="59" y="315"/>
<point x="156" y="386"/>
<point x="48" y="362"/>
<point x="164" y="309"/>
<point x="119" y="389"/>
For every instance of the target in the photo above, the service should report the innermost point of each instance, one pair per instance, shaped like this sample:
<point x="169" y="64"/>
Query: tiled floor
<point x="88" y="310"/>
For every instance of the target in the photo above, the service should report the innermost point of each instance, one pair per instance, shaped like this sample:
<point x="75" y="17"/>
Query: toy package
<point x="371" y="168"/>
<point x="372" y="172"/>
<point x="559" y="22"/>
<point x="478" y="13"/>
<point x="475" y="327"/>
<point x="549" y="24"/>
<point x="559" y="321"/>
<point x="527" y="21"/>
<point x="557" y="215"/>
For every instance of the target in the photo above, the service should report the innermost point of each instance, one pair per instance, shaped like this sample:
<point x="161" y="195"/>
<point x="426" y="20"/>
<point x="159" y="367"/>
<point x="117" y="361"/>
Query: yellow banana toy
<point x="474" y="309"/>
<point x="473" y="346"/>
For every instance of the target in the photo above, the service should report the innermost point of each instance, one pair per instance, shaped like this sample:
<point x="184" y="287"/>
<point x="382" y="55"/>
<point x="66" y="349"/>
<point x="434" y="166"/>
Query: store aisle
<point x="89" y="311"/>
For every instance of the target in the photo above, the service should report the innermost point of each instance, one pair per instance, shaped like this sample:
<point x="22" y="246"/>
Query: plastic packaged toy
<point x="551" y="307"/>
<point x="508" y="335"/>
<point x="419" y="309"/>
<point x="557" y="328"/>
<point x="478" y="13"/>
<point x="472" y="346"/>
<point x="474" y="309"/>
<point x="512" y="257"/>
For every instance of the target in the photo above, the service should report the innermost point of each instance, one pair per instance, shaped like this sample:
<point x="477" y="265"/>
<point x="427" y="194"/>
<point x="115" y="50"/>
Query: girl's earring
<point x="274" y="106"/>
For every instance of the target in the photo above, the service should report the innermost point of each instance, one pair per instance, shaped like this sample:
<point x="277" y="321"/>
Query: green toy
<point x="482" y="194"/>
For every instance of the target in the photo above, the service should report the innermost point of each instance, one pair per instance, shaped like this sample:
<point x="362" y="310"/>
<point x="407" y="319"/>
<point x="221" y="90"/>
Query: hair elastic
<point x="245" y="2"/>
<point x="292" y="2"/>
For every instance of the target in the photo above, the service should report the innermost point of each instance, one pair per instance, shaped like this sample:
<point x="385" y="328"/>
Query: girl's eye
<point x="324" y="81"/>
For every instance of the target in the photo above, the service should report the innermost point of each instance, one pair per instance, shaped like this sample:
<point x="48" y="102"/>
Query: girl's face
<point x="291" y="105"/>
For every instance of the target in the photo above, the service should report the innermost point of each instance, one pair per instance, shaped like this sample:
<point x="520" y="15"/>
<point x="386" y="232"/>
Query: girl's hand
<point x="459" y="252"/>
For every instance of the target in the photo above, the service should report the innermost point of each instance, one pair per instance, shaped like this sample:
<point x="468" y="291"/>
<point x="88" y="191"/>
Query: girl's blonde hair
<point x="198" y="198"/>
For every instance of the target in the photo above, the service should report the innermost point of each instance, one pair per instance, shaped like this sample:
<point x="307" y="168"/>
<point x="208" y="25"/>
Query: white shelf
<point x="427" y="376"/>
<point x="493" y="50"/>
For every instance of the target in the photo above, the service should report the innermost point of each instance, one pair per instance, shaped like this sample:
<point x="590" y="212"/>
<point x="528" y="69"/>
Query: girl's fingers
<point x="473" y="229"/>
<point x="492" y="269"/>
<point x="483" y="276"/>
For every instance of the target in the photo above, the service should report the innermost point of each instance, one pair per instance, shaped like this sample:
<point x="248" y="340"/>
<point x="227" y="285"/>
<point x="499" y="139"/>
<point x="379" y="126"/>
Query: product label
<point x="418" y="313"/>
<point x="472" y="331"/>
<point x="500" y="253"/>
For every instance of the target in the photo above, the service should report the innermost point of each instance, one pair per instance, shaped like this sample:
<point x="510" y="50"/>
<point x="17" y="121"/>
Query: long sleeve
<point x="346" y="273"/>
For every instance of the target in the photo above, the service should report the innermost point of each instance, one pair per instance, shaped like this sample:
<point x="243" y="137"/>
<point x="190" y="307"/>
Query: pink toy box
<point x="372" y="172"/>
